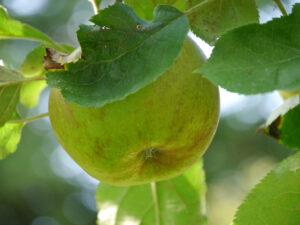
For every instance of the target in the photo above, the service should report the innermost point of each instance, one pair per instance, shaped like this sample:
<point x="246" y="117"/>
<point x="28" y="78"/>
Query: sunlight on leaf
<point x="9" y="95"/>
<point x="33" y="67"/>
<point x="211" y="18"/>
<point x="176" y="201"/>
<point x="10" y="135"/>
<point x="258" y="58"/>
<point x="13" y="29"/>
<point x="144" y="8"/>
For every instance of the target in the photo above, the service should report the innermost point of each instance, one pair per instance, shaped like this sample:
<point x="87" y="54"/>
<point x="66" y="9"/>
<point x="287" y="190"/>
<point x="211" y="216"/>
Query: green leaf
<point x="275" y="200"/>
<point x="258" y="58"/>
<point x="13" y="29"/>
<point x="9" y="95"/>
<point x="211" y="18"/>
<point x="10" y="135"/>
<point x="144" y="8"/>
<point x="121" y="54"/>
<point x="33" y="67"/>
<point x="176" y="201"/>
<point x="284" y="123"/>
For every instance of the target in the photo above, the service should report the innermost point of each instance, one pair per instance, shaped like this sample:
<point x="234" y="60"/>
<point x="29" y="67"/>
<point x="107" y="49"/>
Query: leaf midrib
<point x="142" y="43"/>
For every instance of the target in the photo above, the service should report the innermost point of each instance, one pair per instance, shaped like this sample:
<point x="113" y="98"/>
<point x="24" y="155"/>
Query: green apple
<point x="151" y="135"/>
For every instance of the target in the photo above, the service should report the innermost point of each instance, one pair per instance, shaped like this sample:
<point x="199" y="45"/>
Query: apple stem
<point x="28" y="119"/>
<point x="155" y="200"/>
<point x="14" y="82"/>
<point x="281" y="7"/>
<point x="95" y="6"/>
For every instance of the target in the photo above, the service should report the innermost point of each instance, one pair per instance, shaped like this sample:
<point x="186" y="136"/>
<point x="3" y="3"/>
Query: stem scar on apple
<point x="148" y="153"/>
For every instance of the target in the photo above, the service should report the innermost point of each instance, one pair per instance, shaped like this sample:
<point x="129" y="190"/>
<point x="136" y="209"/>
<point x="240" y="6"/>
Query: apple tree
<point x="136" y="104"/>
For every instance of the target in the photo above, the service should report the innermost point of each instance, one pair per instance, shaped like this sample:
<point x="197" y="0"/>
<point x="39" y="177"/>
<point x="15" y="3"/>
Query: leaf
<point x="211" y="18"/>
<point x="33" y="67"/>
<point x="284" y="123"/>
<point x="13" y="29"/>
<point x="10" y="135"/>
<point x="9" y="95"/>
<point x="176" y="201"/>
<point x="276" y="199"/>
<point x="121" y="54"/>
<point x="144" y="8"/>
<point x="258" y="58"/>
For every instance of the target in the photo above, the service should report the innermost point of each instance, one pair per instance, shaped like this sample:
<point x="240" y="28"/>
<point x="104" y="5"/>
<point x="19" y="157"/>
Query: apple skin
<point x="151" y="135"/>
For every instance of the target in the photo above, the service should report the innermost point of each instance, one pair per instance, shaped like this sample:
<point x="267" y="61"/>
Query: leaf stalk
<point x="95" y="6"/>
<point x="28" y="119"/>
<point x="19" y="81"/>
<point x="281" y="7"/>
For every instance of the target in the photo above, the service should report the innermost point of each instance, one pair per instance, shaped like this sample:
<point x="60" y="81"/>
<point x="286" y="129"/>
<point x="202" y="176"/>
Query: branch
<point x="28" y="119"/>
<point x="95" y="6"/>
<point x="281" y="7"/>
<point x="13" y="82"/>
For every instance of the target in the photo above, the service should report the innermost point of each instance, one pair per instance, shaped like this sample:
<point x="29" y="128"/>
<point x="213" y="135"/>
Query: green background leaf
<point x="10" y="135"/>
<point x="275" y="200"/>
<point x="13" y="29"/>
<point x="115" y="65"/>
<point x="258" y="58"/>
<point x="212" y="18"/>
<point x="144" y="8"/>
<point x="290" y="128"/>
<point x="176" y="201"/>
<point x="33" y="67"/>
<point x="9" y="95"/>
<point x="284" y="123"/>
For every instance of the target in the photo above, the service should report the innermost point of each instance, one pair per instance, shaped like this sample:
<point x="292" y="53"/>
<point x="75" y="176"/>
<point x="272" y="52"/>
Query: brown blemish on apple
<point x="98" y="150"/>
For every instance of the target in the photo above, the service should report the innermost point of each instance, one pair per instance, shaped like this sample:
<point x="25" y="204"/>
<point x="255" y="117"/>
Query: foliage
<point x="11" y="29"/>
<point x="212" y="18"/>
<point x="110" y="74"/>
<point x="123" y="51"/>
<point x="251" y="66"/>
<point x="284" y="123"/>
<point x="275" y="200"/>
<point x="33" y="67"/>
<point x="186" y="192"/>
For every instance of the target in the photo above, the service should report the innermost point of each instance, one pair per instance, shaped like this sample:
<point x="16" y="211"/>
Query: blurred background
<point x="41" y="185"/>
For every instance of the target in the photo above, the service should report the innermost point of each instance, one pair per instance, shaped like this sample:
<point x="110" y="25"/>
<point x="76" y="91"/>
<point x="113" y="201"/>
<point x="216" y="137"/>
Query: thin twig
<point x="28" y="119"/>
<point x="25" y="80"/>
<point x="95" y="6"/>
<point x="281" y="7"/>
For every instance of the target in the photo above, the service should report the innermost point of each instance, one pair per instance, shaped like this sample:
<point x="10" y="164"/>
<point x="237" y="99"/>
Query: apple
<point x="151" y="135"/>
